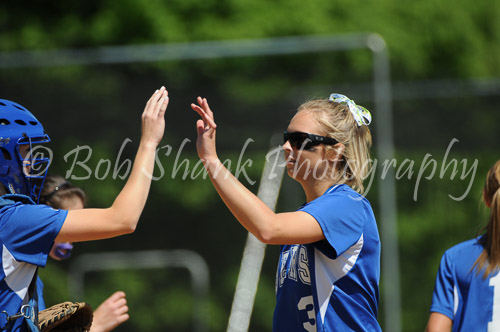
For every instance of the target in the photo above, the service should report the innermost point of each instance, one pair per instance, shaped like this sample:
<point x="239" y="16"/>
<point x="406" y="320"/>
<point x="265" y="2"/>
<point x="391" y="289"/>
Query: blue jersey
<point x="27" y="233"/>
<point x="332" y="285"/>
<point x="469" y="300"/>
<point x="39" y="291"/>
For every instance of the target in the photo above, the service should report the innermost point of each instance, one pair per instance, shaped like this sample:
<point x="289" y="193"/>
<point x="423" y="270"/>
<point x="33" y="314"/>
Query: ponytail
<point x="489" y="260"/>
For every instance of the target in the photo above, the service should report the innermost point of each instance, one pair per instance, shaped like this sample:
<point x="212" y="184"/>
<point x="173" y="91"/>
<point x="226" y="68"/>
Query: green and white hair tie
<point x="361" y="114"/>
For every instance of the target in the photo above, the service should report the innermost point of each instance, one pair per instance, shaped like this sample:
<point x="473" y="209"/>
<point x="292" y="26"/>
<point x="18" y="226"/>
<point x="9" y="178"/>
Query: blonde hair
<point x="490" y="256"/>
<point x="336" y="121"/>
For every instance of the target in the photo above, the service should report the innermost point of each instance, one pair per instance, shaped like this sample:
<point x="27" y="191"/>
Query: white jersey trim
<point x="328" y="271"/>
<point x="18" y="275"/>
<point x="455" y="300"/>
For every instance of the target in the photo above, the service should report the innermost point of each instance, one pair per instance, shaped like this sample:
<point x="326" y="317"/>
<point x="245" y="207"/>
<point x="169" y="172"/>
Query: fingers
<point x="161" y="103"/>
<point x="111" y="313"/>
<point x="117" y="295"/>
<point x="198" y="110"/>
<point x="122" y="319"/>
<point x="207" y="120"/>
<point x="117" y="302"/>
<point x="204" y="111"/>
<point x="163" y="106"/>
<point x="203" y="102"/>
<point x="157" y="104"/>
<point x="200" y="127"/>
<point x="121" y="310"/>
<point x="152" y="99"/>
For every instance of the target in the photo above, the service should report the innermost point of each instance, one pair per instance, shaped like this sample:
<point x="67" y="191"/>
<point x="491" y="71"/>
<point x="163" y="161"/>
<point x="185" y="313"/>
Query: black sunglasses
<point x="300" y="140"/>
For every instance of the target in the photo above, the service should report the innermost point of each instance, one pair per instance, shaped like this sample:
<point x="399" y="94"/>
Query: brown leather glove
<point x="66" y="317"/>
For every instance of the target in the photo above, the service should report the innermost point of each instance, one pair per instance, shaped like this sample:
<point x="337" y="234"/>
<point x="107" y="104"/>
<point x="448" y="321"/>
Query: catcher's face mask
<point x="23" y="165"/>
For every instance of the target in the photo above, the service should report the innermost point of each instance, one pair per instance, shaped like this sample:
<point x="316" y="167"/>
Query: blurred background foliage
<point x="94" y="112"/>
<point x="430" y="38"/>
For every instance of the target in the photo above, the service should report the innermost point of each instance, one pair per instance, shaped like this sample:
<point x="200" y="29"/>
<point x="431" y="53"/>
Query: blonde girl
<point x="328" y="271"/>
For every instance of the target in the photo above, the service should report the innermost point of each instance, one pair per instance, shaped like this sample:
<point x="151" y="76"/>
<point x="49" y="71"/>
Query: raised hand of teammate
<point x="153" y="117"/>
<point x="205" y="144"/>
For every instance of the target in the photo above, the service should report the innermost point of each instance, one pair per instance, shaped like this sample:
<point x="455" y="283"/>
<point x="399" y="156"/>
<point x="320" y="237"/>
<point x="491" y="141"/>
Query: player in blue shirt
<point x="467" y="291"/>
<point x="61" y="194"/>
<point x="329" y="267"/>
<point x="28" y="231"/>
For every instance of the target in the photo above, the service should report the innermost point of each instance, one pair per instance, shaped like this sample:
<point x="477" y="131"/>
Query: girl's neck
<point x="316" y="189"/>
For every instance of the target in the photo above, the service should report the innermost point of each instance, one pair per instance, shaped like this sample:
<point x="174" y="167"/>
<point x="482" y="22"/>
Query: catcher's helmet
<point x="21" y="174"/>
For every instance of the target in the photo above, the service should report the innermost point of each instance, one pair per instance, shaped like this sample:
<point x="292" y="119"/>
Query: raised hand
<point x="153" y="117"/>
<point x="205" y="144"/>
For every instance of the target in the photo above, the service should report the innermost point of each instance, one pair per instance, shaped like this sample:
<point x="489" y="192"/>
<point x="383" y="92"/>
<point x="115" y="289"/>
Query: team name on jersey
<point x="294" y="265"/>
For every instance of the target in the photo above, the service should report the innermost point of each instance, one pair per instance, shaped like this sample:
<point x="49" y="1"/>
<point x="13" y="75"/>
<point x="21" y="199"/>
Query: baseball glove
<point x="66" y="317"/>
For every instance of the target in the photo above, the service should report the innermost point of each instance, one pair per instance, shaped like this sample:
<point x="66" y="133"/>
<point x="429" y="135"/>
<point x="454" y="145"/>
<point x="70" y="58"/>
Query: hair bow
<point x="361" y="114"/>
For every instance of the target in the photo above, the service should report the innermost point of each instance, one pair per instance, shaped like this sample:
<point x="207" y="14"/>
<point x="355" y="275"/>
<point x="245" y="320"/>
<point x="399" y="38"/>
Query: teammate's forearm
<point x="129" y="204"/>
<point x="248" y="209"/>
<point x="123" y="215"/>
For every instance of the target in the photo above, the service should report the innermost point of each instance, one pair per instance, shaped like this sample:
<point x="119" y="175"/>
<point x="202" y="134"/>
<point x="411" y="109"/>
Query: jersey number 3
<point x="305" y="302"/>
<point x="494" y="325"/>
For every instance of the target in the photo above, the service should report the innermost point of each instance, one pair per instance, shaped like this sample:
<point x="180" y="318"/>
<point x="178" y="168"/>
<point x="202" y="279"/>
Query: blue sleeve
<point x="341" y="217"/>
<point x="39" y="290"/>
<point x="443" y="298"/>
<point x="29" y="231"/>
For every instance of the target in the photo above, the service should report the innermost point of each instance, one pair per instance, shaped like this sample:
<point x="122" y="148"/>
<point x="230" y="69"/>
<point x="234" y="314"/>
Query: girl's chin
<point x="292" y="172"/>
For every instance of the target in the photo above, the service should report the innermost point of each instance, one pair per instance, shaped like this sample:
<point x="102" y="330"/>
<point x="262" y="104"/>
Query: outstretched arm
<point x="269" y="227"/>
<point x="123" y="215"/>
